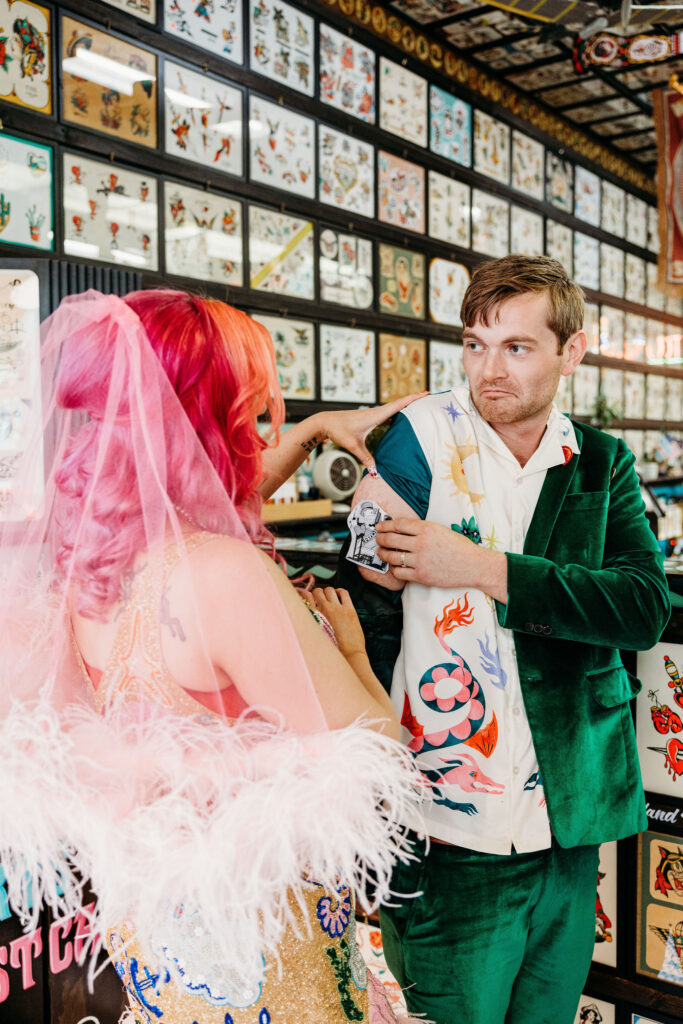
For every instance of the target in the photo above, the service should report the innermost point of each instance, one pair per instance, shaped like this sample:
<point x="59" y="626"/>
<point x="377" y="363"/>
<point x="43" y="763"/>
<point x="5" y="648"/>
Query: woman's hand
<point x="337" y="607"/>
<point x="348" y="428"/>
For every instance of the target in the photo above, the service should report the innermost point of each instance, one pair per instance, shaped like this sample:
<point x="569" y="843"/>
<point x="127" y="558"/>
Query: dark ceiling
<point x="536" y="55"/>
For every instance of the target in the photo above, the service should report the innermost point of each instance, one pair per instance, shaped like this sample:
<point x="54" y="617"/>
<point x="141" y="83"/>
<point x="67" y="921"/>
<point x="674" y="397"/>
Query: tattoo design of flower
<point x="333" y="913"/>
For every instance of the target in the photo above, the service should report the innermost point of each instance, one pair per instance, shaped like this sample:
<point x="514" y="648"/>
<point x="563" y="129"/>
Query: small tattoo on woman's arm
<point x="308" y="446"/>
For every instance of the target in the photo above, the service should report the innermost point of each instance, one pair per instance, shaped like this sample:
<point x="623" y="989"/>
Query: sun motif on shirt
<point x="456" y="473"/>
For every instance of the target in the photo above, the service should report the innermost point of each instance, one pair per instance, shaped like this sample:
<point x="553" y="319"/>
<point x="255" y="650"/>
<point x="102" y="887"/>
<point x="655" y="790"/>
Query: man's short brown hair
<point x="498" y="280"/>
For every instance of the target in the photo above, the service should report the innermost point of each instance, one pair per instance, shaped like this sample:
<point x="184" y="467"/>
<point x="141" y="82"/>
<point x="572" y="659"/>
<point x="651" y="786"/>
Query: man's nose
<point x="494" y="365"/>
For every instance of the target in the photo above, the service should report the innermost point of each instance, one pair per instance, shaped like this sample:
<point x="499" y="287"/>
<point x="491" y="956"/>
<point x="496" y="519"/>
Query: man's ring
<point x="403" y="559"/>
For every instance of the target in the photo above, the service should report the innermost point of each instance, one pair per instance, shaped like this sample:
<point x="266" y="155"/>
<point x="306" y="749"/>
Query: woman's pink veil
<point x="159" y="808"/>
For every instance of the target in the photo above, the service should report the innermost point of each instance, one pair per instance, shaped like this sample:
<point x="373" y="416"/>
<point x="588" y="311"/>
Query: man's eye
<point x="517" y="349"/>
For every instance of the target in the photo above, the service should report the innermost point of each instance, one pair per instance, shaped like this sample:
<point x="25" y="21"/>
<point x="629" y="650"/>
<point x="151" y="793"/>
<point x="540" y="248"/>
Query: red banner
<point x="668" y="111"/>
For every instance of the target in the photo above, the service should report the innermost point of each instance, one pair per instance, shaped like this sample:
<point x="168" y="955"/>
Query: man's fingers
<point x="402" y="541"/>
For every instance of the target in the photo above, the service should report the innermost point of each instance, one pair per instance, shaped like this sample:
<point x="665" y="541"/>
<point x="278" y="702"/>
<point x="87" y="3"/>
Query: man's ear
<point x="573" y="352"/>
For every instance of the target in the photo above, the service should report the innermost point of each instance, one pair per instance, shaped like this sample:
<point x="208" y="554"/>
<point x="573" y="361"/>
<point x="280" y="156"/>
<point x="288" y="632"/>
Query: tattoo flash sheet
<point x="527" y="165"/>
<point x="490" y="224"/>
<point x="611" y="270"/>
<point x="120" y="98"/>
<point x="203" y="234"/>
<point x="635" y="277"/>
<point x="214" y="25"/>
<point x="347" y="172"/>
<point x="362" y="521"/>
<point x="347" y="75"/>
<point x="282" y="44"/>
<point x="447" y="285"/>
<point x="402" y="366"/>
<point x="281" y="147"/>
<point x="25" y="193"/>
<point x="347" y="372"/>
<point x="280" y="253"/>
<point x="109" y="214"/>
<point x="449" y="210"/>
<point x="401" y="282"/>
<point x="401" y="191"/>
<point x="586" y="260"/>
<point x="559" y="243"/>
<point x="559" y="182"/>
<point x="345" y="269"/>
<point x="402" y="102"/>
<point x="450" y="126"/>
<point x="659" y="929"/>
<point x="636" y="220"/>
<point x="594" y="1011"/>
<point x="613" y="209"/>
<point x="25" y="55"/>
<point x="294" y="342"/>
<point x="445" y="366"/>
<point x="587" y="196"/>
<point x="20" y="390"/>
<point x="526" y="231"/>
<point x="204" y="119"/>
<point x="491" y="147"/>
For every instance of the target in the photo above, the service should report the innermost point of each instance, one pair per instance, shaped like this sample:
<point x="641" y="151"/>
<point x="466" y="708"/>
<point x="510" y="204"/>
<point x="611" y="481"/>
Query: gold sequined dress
<point x="321" y="977"/>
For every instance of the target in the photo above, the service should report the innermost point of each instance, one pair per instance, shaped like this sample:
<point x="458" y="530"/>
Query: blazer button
<point x="547" y="630"/>
<point x="529" y="627"/>
<point x="538" y="628"/>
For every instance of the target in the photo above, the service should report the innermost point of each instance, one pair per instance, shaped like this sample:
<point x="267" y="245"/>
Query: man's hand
<point x="431" y="554"/>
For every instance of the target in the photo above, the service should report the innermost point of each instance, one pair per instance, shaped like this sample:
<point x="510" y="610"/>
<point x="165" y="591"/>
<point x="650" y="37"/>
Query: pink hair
<point x="221" y="364"/>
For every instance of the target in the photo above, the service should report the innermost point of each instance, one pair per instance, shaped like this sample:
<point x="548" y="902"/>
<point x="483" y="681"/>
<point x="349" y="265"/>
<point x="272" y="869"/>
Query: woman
<point x="227" y="798"/>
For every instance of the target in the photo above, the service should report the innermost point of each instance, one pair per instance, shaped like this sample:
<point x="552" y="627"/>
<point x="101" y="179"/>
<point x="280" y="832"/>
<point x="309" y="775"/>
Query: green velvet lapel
<point x="556" y="484"/>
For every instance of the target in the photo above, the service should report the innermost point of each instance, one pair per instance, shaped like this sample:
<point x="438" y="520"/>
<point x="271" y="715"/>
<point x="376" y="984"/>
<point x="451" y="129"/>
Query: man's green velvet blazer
<point x="590" y="582"/>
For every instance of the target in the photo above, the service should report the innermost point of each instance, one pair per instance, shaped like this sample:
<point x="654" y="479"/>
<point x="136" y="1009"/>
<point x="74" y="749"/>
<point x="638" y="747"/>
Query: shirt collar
<point x="559" y="439"/>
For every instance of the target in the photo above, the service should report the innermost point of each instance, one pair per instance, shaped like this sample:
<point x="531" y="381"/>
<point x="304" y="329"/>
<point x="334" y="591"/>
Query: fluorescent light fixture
<point x="134" y="259"/>
<point x="183" y="100"/>
<point x="109" y="73"/>
<point x="75" y="248"/>
<point x="257" y="129"/>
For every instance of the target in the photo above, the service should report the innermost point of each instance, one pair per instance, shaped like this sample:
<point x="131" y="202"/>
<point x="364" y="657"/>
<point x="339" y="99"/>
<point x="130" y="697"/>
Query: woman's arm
<point x="348" y="428"/>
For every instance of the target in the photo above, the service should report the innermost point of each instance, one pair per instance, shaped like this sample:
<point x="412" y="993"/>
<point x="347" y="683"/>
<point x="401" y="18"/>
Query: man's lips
<point x="495" y="391"/>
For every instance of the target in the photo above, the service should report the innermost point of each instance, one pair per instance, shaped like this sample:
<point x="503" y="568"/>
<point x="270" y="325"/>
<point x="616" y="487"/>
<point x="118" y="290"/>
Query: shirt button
<point x="516" y="711"/>
<point x="515" y="770"/>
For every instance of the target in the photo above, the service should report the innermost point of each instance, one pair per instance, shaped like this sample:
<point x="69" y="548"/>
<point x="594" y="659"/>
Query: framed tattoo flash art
<point x="345" y="265"/>
<point x="109" y="214"/>
<point x="402" y="102"/>
<point x="282" y="44"/>
<point x="146" y="10"/>
<point x="586" y="260"/>
<point x="401" y="192"/>
<point x="401" y="282"/>
<point x="634" y="395"/>
<point x="402" y="366"/>
<point x="490" y="224"/>
<point x="653" y="229"/>
<point x="20" y="390"/>
<point x="636" y="220"/>
<point x="108" y="84"/>
<point x="594" y="1011"/>
<point x="347" y="364"/>
<point x="611" y="332"/>
<point x="214" y="25"/>
<point x="611" y="270"/>
<point x="586" y="389"/>
<point x="25" y="193"/>
<point x="450" y="126"/>
<point x="655" y="298"/>
<point x="591" y="326"/>
<point x="564" y="396"/>
<point x="559" y="182"/>
<point x="447" y="285"/>
<point x="655" y="397"/>
<point x="634" y="345"/>
<point x="491" y="147"/>
<point x="613" y="209"/>
<point x="346" y="168"/>
<point x="445" y="366"/>
<point x="294" y="342"/>
<point x="203" y="119"/>
<point x="26" y="55"/>
<point x="526" y="231"/>
<point x="659" y="717"/>
<point x="347" y="74"/>
<point x="635" y="280"/>
<point x="527" y="165"/>
<point x="612" y="388"/>
<point x="587" y="196"/>
<point x="449" y="210"/>
<point x="280" y="253"/>
<point x="203" y="235"/>
<point x="281" y="147"/>
<point x="559" y="243"/>
<point x="659" y="929"/>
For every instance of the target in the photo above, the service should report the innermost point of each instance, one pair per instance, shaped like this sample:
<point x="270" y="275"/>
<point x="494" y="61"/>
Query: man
<point x="525" y="562"/>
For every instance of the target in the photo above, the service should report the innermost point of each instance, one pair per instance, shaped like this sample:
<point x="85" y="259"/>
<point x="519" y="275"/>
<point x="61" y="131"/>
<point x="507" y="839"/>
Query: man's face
<point x="513" y="365"/>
